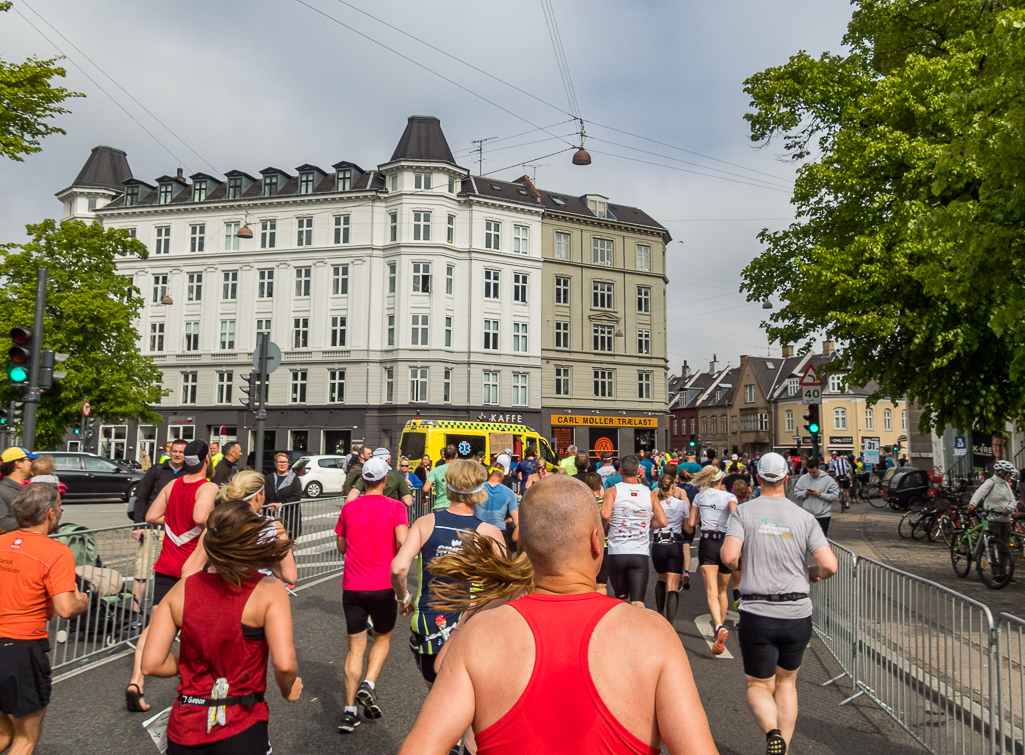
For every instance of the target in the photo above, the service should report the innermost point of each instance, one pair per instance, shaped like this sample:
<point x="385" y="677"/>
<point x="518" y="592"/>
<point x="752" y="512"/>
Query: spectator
<point x="228" y="465"/>
<point x="15" y="467"/>
<point x="423" y="470"/>
<point x="283" y="488"/>
<point x="569" y="464"/>
<point x="395" y="485"/>
<point x="816" y="492"/>
<point x="167" y="452"/>
<point x="356" y="467"/>
<point x="145" y="463"/>
<point x="414" y="482"/>
<point x="583" y="466"/>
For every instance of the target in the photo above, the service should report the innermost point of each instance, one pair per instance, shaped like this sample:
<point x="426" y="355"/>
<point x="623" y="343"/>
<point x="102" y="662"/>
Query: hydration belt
<point x="786" y="597"/>
<point x="710" y="535"/>
<point x="205" y="702"/>
<point x="667" y="538"/>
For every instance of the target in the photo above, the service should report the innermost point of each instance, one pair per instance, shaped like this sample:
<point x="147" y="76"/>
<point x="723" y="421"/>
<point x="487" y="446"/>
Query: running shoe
<point x="367" y="697"/>
<point x="719" y="645"/>
<point x="775" y="744"/>
<point x="686" y="581"/>
<point x="349" y="723"/>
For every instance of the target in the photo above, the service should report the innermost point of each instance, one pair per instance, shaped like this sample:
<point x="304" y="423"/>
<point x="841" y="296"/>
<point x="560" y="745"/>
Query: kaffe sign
<point x="596" y="421"/>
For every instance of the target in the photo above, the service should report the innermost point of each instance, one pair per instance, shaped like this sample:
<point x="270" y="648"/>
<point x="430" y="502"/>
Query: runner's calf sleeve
<point x="660" y="596"/>
<point x="672" y="601"/>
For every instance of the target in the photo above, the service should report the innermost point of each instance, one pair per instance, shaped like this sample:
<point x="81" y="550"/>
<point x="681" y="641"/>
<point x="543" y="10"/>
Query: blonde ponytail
<point x="481" y="572"/>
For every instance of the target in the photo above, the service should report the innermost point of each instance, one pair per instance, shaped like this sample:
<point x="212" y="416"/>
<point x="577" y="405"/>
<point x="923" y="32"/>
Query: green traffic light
<point x="17" y="374"/>
<point x="813" y="429"/>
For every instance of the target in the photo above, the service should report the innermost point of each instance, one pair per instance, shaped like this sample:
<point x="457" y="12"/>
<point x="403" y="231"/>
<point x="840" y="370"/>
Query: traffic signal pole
<point x="31" y="400"/>
<point x="261" y="409"/>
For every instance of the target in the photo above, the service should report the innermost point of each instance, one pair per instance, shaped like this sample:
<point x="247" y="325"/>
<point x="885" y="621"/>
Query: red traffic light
<point x="21" y="336"/>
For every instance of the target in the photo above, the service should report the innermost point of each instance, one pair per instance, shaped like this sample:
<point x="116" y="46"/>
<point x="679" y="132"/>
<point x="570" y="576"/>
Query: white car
<point x="320" y="474"/>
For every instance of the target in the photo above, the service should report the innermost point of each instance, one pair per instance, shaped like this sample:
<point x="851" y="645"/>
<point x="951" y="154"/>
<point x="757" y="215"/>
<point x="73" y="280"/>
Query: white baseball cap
<point x="375" y="469"/>
<point x="733" y="458"/>
<point x="772" y="467"/>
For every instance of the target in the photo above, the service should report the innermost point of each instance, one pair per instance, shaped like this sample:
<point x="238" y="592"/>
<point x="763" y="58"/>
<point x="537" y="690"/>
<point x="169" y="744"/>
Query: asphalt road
<point x="95" y="515"/>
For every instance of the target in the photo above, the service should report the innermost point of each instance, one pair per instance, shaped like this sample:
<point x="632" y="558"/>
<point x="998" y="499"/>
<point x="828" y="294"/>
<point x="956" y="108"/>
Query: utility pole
<point x="480" y="153"/>
<point x="261" y="409"/>
<point x="31" y="401"/>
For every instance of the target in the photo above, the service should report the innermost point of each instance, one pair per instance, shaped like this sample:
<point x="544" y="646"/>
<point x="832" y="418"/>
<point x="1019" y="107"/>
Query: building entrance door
<point x="644" y="440"/>
<point x="337" y="442"/>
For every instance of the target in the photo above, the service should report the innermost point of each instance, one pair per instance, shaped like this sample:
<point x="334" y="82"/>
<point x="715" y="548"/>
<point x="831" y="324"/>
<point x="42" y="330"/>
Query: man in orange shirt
<point x="37" y="578"/>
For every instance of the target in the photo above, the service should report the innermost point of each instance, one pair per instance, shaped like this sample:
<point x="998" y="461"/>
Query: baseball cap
<point x="195" y="455"/>
<point x="375" y="469"/>
<point x="16" y="453"/>
<point x="733" y="458"/>
<point x="381" y="453"/>
<point x="772" y="467"/>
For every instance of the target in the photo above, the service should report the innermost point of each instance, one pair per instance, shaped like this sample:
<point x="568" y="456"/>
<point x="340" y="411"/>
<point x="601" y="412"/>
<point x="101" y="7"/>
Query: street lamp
<point x="167" y="300"/>
<point x="766" y="304"/>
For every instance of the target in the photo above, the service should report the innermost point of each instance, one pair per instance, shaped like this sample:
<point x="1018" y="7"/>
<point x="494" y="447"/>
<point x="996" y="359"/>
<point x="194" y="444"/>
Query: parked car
<point x="268" y="459"/>
<point x="320" y="474"/>
<point x="905" y="487"/>
<point x="92" y="476"/>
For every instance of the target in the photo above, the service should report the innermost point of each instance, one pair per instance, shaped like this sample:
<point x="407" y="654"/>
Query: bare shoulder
<point x="642" y="623"/>
<point x="490" y="621"/>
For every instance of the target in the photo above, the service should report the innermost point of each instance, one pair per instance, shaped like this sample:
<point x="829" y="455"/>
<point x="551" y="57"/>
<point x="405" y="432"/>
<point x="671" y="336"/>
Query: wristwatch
<point x="405" y="602"/>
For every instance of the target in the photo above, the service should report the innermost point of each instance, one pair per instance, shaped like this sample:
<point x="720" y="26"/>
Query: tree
<point x="27" y="100"/>
<point x="90" y="315"/>
<point x="910" y="199"/>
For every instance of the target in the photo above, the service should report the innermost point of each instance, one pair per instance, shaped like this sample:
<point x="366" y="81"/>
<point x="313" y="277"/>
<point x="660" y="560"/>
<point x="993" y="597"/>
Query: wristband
<point x="405" y="602"/>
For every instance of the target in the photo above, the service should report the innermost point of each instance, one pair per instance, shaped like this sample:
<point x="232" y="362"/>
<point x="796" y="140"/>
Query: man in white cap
<point x="395" y="485"/>
<point x="770" y="538"/>
<point x="370" y="531"/>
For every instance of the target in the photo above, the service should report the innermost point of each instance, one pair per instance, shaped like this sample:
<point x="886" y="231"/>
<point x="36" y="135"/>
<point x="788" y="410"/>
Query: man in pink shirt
<point x="370" y="531"/>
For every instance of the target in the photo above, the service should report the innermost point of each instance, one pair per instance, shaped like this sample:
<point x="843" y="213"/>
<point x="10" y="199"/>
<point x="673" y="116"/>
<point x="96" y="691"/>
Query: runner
<point x="616" y="477"/>
<point x="499" y="506"/>
<point x="816" y="492"/>
<point x="711" y="509"/>
<point x="230" y="616"/>
<point x="526" y="470"/>
<point x="683" y="479"/>
<point x="606" y="470"/>
<point x="628" y="510"/>
<point x="436" y="478"/>
<point x="182" y="508"/>
<point x="594" y="482"/>
<point x="667" y="550"/>
<point x="773" y="537"/>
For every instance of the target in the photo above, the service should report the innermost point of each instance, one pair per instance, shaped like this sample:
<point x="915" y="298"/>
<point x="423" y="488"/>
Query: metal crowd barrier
<point x="1011" y="692"/>
<point x="422" y="504"/>
<point x="835" y="612"/>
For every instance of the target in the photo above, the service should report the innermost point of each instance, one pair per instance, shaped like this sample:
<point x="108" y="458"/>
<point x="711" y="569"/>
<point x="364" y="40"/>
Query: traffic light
<point x="48" y="360"/>
<point x="17" y="411"/>
<point x="5" y="418"/>
<point x="693" y="441"/>
<point x="812" y="420"/>
<point x="250" y="388"/>
<point x="19" y="356"/>
<point x="87" y="427"/>
<point x="77" y="429"/>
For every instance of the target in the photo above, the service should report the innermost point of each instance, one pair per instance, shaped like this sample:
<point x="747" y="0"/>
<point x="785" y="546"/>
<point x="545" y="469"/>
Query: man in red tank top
<point x="547" y="673"/>
<point x="181" y="508"/>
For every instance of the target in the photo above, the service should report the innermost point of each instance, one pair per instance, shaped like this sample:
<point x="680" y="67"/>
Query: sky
<point x="288" y="82"/>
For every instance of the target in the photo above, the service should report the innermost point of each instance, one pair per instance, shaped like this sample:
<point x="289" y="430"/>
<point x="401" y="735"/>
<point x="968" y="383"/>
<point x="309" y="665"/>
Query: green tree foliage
<point x="909" y="247"/>
<point x="27" y="100"/>
<point x="90" y="315"/>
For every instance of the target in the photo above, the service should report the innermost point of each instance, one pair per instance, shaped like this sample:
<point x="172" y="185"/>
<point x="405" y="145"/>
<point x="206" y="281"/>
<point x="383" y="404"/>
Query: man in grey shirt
<point x="770" y="538"/>
<point x="817" y="491"/>
<point x="16" y="467"/>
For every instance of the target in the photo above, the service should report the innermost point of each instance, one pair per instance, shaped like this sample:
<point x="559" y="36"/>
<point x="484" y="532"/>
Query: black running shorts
<point x="251" y="741"/>
<point x="24" y="676"/>
<point x="667" y="558"/>
<point x="628" y="575"/>
<point x="162" y="584"/>
<point x="603" y="572"/>
<point x="845" y="481"/>
<point x="708" y="554"/>
<point x="766" y="643"/>
<point x="424" y="662"/>
<point x="379" y="605"/>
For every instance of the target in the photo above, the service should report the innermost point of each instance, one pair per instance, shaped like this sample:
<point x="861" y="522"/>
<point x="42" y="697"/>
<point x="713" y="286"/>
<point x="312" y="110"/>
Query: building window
<point x="394" y="182"/>
<point x="451" y="237"/>
<point x="601" y="295"/>
<point x="602" y="337"/>
<point x="163" y="239"/>
<point x="231" y="236"/>
<point x="229" y="285"/>
<point x="224" y="385"/>
<point x="421" y="226"/>
<point x="887" y="420"/>
<point x="598" y="207"/>
<point x="644" y="299"/>
<point x="303" y="280"/>
<point x="421" y="180"/>
<point x="450" y="272"/>
<point x="393" y="225"/>
<point x="451" y="185"/>
<point x="194" y="291"/>
<point x="190" y="380"/>
<point x="491" y="282"/>
<point x="492" y="235"/>
<point x="165" y="194"/>
<point x="418" y="336"/>
<point x="789" y="420"/>
<point x="270" y="185"/>
<point x="601" y="252"/>
<point x="562" y="381"/>
<point x="491" y="335"/>
<point x="340" y="280"/>
<point x="197" y="238"/>
<point x="763" y="422"/>
<point x="520" y="287"/>
<point x="304" y="236"/>
<point x="748" y="423"/>
<point x="298" y="385"/>
<point x="562" y="290"/>
<point x="447" y="386"/>
<point x="265" y="286"/>
<point x="235" y="187"/>
<point x="643" y="341"/>
<point x="300" y="332"/>
<point x="131" y="196"/>
<point x="344" y="182"/>
<point x="836" y="383"/>
<point x="262" y="330"/>
<point x="391" y="330"/>
<point x="418" y="385"/>
<point x="603" y="384"/>
<point x="227" y="335"/>
<point x="749" y="394"/>
<point x="391" y="277"/>
<point x="156" y="336"/>
<point x="335" y="386"/>
<point x="448" y="331"/>
<point x="643" y="257"/>
<point x="870" y="418"/>
<point x="519" y="389"/>
<point x="341" y="229"/>
<point x="704" y="425"/>
<point x="520" y="337"/>
<point x="903" y="419"/>
<point x="792" y="386"/>
<point x="338" y="331"/>
<point x="268" y="234"/>
<point x="839" y="419"/>
<point x="192" y="336"/>
<point x="306" y="183"/>
<point x="490" y="394"/>
<point x="389" y="385"/>
<point x="521" y="239"/>
<point x="643" y="385"/>
<point x="562" y="334"/>
<point x="561" y="246"/>
<point x="715" y="425"/>
<point x="422" y="277"/>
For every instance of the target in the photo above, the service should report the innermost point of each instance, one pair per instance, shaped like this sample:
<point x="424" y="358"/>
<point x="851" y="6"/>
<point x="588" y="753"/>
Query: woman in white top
<point x="711" y="509"/>
<point x="628" y="510"/>
<point x="667" y="550"/>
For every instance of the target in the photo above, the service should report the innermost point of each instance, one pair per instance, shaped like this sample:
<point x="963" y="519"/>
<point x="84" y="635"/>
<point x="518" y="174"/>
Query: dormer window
<point x="270" y="185"/>
<point x="344" y="180"/>
<point x="422" y="180"/>
<point x="598" y="206"/>
<point x="235" y="187"/>
<point x="131" y="196"/>
<point x="306" y="183"/>
<point x="166" y="192"/>
<point x="199" y="191"/>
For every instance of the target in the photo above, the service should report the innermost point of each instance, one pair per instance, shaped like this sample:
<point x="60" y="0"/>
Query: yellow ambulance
<point x="430" y="436"/>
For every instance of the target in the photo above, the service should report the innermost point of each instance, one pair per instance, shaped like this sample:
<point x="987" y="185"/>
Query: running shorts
<point x="766" y="643"/>
<point x="162" y="584"/>
<point x="845" y="481"/>
<point x="708" y="554"/>
<point x="251" y="741"/>
<point x="628" y="574"/>
<point x="667" y="558"/>
<point x="603" y="572"/>
<point x="24" y="676"/>
<point x="424" y="662"/>
<point x="379" y="605"/>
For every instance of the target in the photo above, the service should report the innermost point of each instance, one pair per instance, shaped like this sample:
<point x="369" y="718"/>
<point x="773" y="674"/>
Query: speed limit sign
<point x="811" y="394"/>
<point x="86" y="408"/>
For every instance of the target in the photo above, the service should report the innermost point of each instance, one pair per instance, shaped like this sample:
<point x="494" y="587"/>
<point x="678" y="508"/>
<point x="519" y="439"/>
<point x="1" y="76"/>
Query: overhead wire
<point x="560" y="56"/>
<point x="468" y="150"/>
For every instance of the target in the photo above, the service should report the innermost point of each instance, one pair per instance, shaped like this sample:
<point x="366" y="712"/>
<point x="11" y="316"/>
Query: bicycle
<point x="956" y="517"/>
<point x="865" y="490"/>
<point x="994" y="561"/>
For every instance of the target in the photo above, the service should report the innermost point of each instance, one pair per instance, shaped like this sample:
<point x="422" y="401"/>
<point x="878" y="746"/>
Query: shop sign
<point x="599" y="421"/>
<point x="514" y="419"/>
<point x="841" y="440"/>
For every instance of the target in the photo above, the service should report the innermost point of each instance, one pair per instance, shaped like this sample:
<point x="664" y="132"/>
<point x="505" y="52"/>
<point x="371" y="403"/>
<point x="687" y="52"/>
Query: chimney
<point x="788" y="350"/>
<point x="713" y="366"/>
<point x="685" y="371"/>
<point x="180" y="176"/>
<point x="827" y="348"/>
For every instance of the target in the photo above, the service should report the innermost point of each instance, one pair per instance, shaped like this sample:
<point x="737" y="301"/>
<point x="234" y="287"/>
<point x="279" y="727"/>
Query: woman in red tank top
<point x="229" y="616"/>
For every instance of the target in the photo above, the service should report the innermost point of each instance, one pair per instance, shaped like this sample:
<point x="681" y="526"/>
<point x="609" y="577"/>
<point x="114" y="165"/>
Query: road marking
<point x="704" y="625"/>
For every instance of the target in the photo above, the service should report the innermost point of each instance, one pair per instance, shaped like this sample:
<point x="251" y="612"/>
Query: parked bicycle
<point x="867" y="489"/>
<point x="956" y="517"/>
<point x="993" y="558"/>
